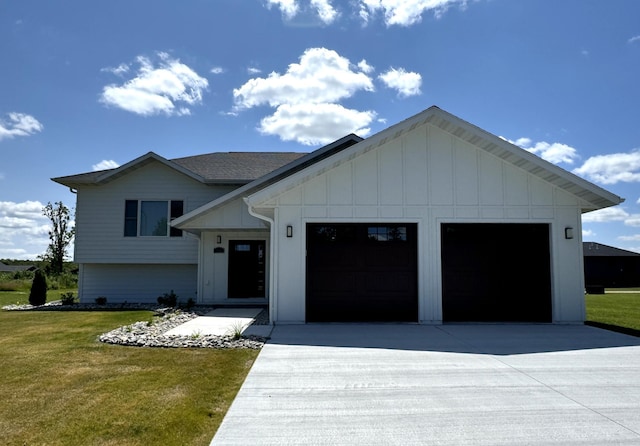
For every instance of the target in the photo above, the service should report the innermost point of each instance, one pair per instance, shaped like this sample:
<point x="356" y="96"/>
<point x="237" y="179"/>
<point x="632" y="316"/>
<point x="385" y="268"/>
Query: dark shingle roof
<point x="236" y="166"/>
<point x="217" y="167"/>
<point x="593" y="249"/>
<point x="14" y="268"/>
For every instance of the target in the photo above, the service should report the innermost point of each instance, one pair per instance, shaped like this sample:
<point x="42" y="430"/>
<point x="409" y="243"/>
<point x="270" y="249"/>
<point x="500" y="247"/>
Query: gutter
<point x="272" y="258"/>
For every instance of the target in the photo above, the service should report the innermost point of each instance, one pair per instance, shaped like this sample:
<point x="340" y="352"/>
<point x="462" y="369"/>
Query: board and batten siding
<point x="139" y="283"/>
<point x="100" y="217"/>
<point x="231" y="215"/>
<point x="426" y="176"/>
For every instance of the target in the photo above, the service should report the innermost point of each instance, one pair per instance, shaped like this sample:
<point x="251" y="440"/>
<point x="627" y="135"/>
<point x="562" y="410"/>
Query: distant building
<point x="609" y="267"/>
<point x="15" y="268"/>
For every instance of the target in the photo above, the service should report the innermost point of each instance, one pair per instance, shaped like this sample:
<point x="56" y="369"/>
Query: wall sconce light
<point x="568" y="233"/>
<point x="289" y="231"/>
<point x="218" y="239"/>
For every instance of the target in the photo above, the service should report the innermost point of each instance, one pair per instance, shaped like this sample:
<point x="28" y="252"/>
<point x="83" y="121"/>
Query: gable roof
<point x="593" y="249"/>
<point x="15" y="268"/>
<point x="592" y="197"/>
<point x="271" y="177"/>
<point x="211" y="168"/>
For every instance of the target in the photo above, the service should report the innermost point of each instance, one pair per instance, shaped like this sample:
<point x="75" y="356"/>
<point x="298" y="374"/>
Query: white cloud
<point x="306" y="98"/>
<point x="217" y="70"/>
<point x="605" y="215"/>
<point x="638" y="202"/>
<point x="630" y="238"/>
<point x="105" y="164"/>
<point x="588" y="233"/>
<point x="634" y="39"/>
<point x="327" y="13"/>
<point x="254" y="70"/>
<point x="19" y="124"/>
<point x="24" y="231"/>
<point x="120" y="70"/>
<point x="406" y="82"/>
<point x="633" y="220"/>
<point x="612" y="168"/>
<point x="162" y="88"/>
<point x="317" y="9"/>
<point x="321" y="76"/>
<point x="555" y="153"/>
<point x="312" y="124"/>
<point x="289" y="8"/>
<point x="365" y="67"/>
<point x="403" y="12"/>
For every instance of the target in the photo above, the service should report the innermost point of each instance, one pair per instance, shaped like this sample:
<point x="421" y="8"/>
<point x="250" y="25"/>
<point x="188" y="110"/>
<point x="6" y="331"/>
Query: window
<point x="387" y="233"/>
<point x="151" y="218"/>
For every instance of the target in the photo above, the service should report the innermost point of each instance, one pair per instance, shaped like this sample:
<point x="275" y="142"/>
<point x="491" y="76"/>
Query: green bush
<point x="168" y="299"/>
<point x="38" y="293"/>
<point x="67" y="298"/>
<point x="63" y="281"/>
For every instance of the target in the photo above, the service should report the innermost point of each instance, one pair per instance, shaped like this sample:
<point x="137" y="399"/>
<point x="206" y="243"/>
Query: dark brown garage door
<point x="361" y="272"/>
<point x="496" y="272"/>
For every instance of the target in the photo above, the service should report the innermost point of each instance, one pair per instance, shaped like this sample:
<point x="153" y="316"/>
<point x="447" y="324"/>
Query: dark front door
<point x="496" y="272"/>
<point x="361" y="272"/>
<point x="247" y="260"/>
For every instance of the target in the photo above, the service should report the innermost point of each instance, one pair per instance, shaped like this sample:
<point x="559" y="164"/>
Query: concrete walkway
<point x="223" y="321"/>
<point x="343" y="384"/>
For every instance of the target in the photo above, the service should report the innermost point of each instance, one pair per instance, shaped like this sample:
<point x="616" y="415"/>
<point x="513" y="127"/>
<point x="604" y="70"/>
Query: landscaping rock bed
<point x="152" y="334"/>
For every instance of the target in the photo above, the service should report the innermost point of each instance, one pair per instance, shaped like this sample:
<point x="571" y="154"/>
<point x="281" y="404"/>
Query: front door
<point x="246" y="268"/>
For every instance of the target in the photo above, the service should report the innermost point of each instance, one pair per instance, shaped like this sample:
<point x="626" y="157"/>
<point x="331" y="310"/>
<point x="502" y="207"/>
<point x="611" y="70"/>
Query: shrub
<point x="101" y="300"/>
<point x="38" y="293"/>
<point x="67" y="299"/>
<point x="168" y="299"/>
<point x="63" y="281"/>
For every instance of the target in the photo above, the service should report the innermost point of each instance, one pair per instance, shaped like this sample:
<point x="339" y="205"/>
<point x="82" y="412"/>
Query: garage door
<point x="361" y="272"/>
<point x="496" y="272"/>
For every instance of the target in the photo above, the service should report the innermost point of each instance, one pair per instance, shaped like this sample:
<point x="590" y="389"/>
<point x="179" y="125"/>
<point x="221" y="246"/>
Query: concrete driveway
<point x="370" y="384"/>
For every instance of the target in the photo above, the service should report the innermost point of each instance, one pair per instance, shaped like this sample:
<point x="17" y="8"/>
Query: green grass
<point x="60" y="386"/>
<point x="618" y="309"/>
<point x="22" y="297"/>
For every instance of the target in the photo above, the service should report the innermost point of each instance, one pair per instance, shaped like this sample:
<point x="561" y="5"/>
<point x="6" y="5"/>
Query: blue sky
<point x="92" y="85"/>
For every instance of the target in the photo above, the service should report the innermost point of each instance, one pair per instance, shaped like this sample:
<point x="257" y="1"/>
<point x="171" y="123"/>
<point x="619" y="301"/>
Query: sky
<point x="93" y="85"/>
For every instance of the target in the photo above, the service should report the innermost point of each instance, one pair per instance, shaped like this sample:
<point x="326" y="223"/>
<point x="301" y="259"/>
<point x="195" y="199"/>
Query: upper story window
<point x="150" y="218"/>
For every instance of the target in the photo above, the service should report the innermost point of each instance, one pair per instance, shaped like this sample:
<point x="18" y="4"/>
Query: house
<point x="609" y="267"/>
<point x="15" y="268"/>
<point x="431" y="220"/>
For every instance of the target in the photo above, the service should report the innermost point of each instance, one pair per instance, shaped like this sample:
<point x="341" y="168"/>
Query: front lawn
<point x="618" y="309"/>
<point x="60" y="386"/>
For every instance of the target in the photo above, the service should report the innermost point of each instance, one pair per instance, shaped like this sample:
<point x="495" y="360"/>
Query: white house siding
<point x="231" y="215"/>
<point x="161" y="262"/>
<point x="230" y="221"/>
<point x="213" y="271"/>
<point x="100" y="217"/>
<point x="138" y="283"/>
<point x="429" y="177"/>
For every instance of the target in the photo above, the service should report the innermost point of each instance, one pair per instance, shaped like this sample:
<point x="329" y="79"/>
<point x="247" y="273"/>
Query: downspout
<point x="272" y="257"/>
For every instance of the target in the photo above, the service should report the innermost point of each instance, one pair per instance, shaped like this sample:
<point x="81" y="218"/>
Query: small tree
<point x="60" y="235"/>
<point x="38" y="294"/>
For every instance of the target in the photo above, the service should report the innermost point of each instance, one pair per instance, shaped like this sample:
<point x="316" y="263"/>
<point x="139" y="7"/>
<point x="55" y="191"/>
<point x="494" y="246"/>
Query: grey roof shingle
<point x="593" y="249"/>
<point x="217" y="167"/>
<point x="236" y="166"/>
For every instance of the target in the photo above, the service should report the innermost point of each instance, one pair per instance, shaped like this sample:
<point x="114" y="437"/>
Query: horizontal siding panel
<point x="136" y="283"/>
<point x="100" y="217"/>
